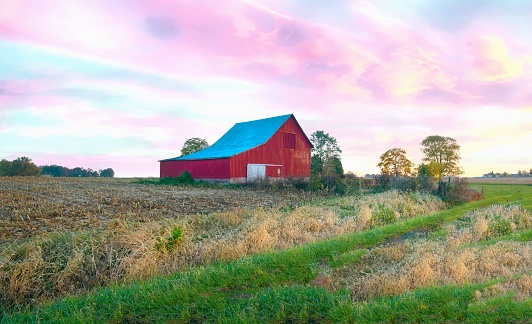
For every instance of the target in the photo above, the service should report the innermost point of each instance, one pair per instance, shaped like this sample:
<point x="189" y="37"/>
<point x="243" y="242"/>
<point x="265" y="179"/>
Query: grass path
<point x="276" y="286"/>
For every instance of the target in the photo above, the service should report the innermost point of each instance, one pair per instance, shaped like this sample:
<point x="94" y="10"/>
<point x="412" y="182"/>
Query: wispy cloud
<point x="142" y="76"/>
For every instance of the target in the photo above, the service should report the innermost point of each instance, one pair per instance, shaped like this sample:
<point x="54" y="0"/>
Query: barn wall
<point x="272" y="173"/>
<point x="217" y="169"/>
<point x="295" y="161"/>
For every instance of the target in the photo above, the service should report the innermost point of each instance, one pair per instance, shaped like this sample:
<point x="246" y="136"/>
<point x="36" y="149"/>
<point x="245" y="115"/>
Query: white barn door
<point x="256" y="172"/>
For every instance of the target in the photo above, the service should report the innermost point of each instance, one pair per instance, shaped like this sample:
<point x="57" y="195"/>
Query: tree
<point x="325" y="159"/>
<point x="428" y="174"/>
<point x="54" y="170"/>
<point x="107" y="173"/>
<point x="334" y="166"/>
<point x="91" y="173"/>
<point x="23" y="166"/>
<point x="78" y="172"/>
<point x="5" y="168"/>
<point x="444" y="152"/>
<point x="395" y="163"/>
<point x="193" y="145"/>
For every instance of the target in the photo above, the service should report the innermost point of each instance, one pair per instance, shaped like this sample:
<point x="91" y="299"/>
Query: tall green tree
<point x="5" y="168"/>
<point x="334" y="166"/>
<point x="193" y="145"/>
<point x="395" y="163"/>
<point x="107" y="173"/>
<point x="325" y="159"/>
<point x="23" y="166"/>
<point x="444" y="152"/>
<point x="78" y="172"/>
<point x="54" y="170"/>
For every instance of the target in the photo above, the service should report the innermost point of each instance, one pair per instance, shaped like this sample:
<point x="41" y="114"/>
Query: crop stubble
<point x="33" y="206"/>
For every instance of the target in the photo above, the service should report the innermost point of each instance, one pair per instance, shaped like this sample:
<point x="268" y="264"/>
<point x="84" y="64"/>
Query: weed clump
<point x="491" y="222"/>
<point x="171" y="242"/>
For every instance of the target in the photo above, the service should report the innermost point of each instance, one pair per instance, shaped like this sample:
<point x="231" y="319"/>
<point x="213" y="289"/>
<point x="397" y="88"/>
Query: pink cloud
<point x="379" y="77"/>
<point x="396" y="62"/>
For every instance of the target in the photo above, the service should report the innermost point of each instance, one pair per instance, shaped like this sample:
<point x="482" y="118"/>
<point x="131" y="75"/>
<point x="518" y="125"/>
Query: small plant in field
<point x="500" y="226"/>
<point x="171" y="242"/>
<point x="383" y="215"/>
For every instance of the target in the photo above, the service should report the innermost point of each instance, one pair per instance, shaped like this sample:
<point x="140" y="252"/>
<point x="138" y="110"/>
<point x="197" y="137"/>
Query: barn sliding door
<point x="256" y="172"/>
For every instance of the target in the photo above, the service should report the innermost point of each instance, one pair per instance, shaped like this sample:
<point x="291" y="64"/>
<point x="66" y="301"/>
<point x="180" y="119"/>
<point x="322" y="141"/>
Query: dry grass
<point x="387" y="207"/>
<point x="112" y="231"/>
<point x="403" y="266"/>
<point x="439" y="264"/>
<point x="490" y="222"/>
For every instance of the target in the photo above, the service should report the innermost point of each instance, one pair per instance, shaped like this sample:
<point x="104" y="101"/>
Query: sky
<point x="124" y="83"/>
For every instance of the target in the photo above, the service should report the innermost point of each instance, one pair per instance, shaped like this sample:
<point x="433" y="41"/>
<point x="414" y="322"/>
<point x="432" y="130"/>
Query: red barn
<point x="274" y="147"/>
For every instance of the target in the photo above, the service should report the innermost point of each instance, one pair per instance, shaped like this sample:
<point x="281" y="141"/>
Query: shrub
<point x="298" y="183"/>
<point x="458" y="192"/>
<point x="386" y="182"/>
<point x="185" y="178"/>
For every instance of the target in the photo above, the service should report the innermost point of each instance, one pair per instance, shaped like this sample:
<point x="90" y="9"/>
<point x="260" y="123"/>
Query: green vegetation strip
<point x="273" y="287"/>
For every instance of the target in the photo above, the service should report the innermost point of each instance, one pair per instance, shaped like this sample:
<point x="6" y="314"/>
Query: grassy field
<point x="376" y="258"/>
<point x="503" y="180"/>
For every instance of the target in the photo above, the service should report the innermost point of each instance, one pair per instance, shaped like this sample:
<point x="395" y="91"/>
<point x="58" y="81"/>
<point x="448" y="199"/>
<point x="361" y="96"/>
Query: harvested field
<point x="63" y="236"/>
<point x="33" y="206"/>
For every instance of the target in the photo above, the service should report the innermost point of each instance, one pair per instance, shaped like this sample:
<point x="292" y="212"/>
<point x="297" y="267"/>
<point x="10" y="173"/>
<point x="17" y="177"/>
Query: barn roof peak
<point x="241" y="137"/>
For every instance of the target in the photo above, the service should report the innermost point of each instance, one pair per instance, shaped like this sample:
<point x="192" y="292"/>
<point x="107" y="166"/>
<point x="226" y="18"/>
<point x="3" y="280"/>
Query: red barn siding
<point x="287" y="152"/>
<point x="274" y="171"/>
<point x="216" y="169"/>
<point x="295" y="161"/>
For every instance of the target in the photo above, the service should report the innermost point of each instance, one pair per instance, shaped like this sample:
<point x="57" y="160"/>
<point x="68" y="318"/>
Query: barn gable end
<point x="274" y="147"/>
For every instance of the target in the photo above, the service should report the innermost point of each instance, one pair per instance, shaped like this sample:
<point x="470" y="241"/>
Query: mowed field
<point x="144" y="253"/>
<point x="503" y="180"/>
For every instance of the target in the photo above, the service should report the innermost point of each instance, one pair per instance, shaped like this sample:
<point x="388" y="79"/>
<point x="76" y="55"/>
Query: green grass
<point x="274" y="286"/>
<point x="521" y="194"/>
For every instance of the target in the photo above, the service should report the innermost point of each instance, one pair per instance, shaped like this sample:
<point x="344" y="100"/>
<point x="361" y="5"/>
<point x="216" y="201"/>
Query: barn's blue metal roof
<point x="240" y="138"/>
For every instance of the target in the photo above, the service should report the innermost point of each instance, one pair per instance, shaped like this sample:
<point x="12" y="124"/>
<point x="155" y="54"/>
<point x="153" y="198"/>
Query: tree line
<point x="441" y="158"/>
<point x="519" y="173"/>
<point x="23" y="166"/>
